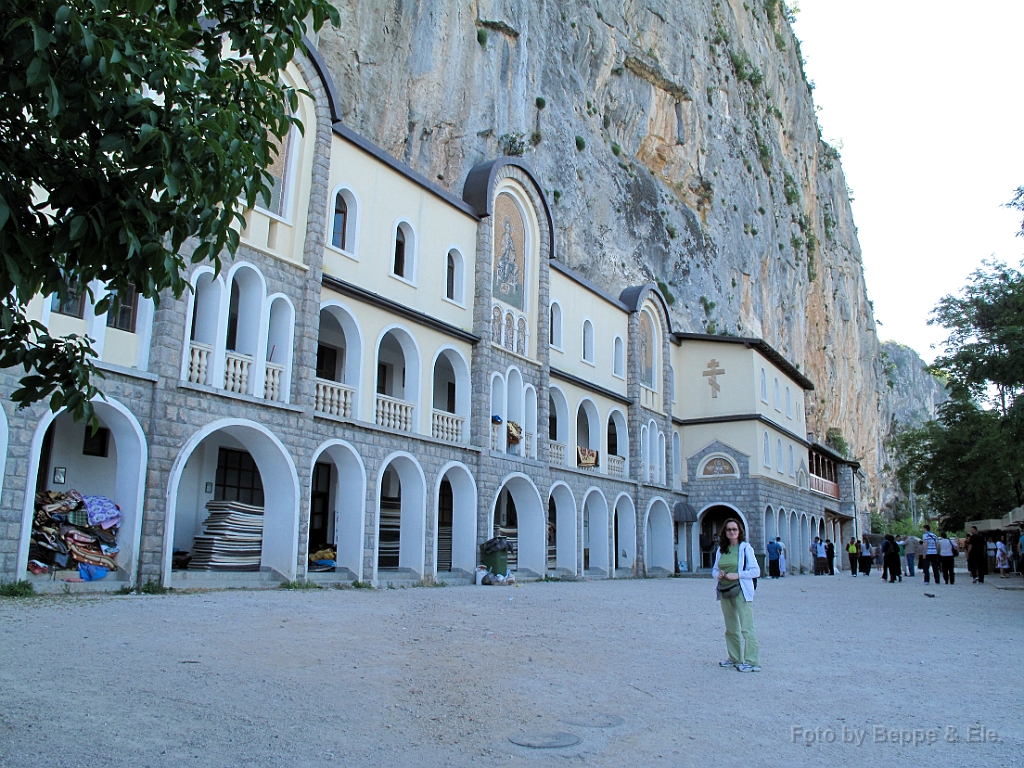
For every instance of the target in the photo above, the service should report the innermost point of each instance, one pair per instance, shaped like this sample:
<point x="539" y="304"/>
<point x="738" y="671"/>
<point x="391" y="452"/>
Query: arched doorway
<point x="517" y="512"/>
<point x="561" y="536"/>
<point x="456" y="522"/>
<point x="110" y="463"/>
<point x="659" y="551"/>
<point x="595" y="533"/>
<point x="624" y="527"/>
<point x="337" y="512"/>
<point x="234" y="460"/>
<point x="710" y="525"/>
<point x="401" y="522"/>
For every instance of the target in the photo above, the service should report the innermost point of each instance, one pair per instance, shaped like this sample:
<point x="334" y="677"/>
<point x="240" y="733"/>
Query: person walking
<point x="830" y="555"/>
<point x="782" y="556"/>
<point x="930" y="543"/>
<point x="854" y="552"/>
<point x="773" y="559"/>
<point x="734" y="572"/>
<point x="910" y="552"/>
<point x="865" y="556"/>
<point x="977" y="561"/>
<point x="1002" y="558"/>
<point x="891" y="559"/>
<point x="947" y="557"/>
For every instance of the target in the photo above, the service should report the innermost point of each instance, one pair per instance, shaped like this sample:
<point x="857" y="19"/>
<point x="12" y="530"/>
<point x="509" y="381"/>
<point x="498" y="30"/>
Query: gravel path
<point x="439" y="677"/>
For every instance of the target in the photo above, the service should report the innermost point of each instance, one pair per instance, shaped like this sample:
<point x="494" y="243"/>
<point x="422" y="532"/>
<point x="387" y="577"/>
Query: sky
<point x="924" y="98"/>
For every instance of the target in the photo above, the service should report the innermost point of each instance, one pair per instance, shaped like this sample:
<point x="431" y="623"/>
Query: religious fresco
<point x="717" y="467"/>
<point x="278" y="170"/>
<point x="646" y="350"/>
<point x="509" y="253"/>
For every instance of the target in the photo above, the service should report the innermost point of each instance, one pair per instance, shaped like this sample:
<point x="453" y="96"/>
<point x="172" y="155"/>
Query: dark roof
<point x="480" y="182"/>
<point x="633" y="296"/>
<point x="683" y="512"/>
<point x="761" y="346"/>
<point x="832" y="454"/>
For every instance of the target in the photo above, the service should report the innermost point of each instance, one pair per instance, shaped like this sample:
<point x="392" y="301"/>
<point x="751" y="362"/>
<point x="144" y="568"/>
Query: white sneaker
<point x="747" y="668"/>
<point x="727" y="663"/>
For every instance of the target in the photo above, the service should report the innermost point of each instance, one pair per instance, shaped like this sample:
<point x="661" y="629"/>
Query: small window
<point x="778" y="400"/>
<point x="96" y="443"/>
<point x="238" y="478"/>
<point x="671" y="384"/>
<point x="449" y="281"/>
<point x="789" y="404"/>
<point x="792" y="463"/>
<point x="618" y="365"/>
<point x="764" y="386"/>
<point x="556" y="326"/>
<point x="326" y="362"/>
<point x="588" y="341"/>
<point x="767" y="451"/>
<point x="123" y="310"/>
<point x="339" y="235"/>
<point x="778" y="454"/>
<point x="398" y="267"/>
<point x="73" y="305"/>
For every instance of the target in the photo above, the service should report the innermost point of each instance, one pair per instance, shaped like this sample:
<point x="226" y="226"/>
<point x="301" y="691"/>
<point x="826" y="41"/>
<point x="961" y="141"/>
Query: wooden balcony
<point x="823" y="486"/>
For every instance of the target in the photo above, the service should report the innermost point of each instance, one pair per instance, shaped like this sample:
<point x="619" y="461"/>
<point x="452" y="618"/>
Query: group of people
<point x="735" y="573"/>
<point x="933" y="554"/>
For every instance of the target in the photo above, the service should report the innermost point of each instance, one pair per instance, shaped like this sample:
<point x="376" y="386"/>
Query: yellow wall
<point x="746" y="437"/>
<point x="385" y="197"/>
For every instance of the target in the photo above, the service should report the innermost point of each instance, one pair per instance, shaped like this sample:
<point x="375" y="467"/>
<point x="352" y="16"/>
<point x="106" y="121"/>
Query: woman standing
<point x="891" y="559"/>
<point x="734" y="572"/>
<point x="865" y="557"/>
<point x="1002" y="559"/>
<point x="854" y="552"/>
<point x="947" y="558"/>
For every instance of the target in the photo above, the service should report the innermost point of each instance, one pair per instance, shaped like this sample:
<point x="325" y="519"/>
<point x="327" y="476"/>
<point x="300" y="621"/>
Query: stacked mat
<point x="444" y="547"/>
<point x="233" y="539"/>
<point x="389" y="542"/>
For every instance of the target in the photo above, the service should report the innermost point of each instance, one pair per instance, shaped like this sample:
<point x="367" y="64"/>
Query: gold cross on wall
<point x="712" y="373"/>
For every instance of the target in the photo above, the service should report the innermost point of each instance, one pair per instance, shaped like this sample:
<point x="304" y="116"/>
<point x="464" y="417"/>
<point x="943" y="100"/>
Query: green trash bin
<point x="496" y="562"/>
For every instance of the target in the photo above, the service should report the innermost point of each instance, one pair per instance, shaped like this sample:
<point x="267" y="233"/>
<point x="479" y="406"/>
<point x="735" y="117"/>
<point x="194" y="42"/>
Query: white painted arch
<point x="349" y="502"/>
<point x="565" y="526"/>
<point x="530" y="515"/>
<point x="464" y="517"/>
<point x="280" y="492"/>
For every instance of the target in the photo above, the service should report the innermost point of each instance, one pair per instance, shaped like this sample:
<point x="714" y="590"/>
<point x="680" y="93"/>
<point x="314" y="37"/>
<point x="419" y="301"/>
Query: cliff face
<point x="914" y="393"/>
<point x="678" y="143"/>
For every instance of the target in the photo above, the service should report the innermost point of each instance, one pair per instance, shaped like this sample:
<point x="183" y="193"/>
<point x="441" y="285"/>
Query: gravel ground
<point x="439" y="677"/>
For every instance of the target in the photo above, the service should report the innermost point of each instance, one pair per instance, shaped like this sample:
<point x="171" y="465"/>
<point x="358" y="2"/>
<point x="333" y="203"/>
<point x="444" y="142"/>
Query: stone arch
<point x="624" y="535"/>
<point x="532" y="539"/>
<point x="279" y="349"/>
<point x="558" y="423"/>
<point x="617" y="420"/>
<point x="403" y="471"/>
<point x="659" y="538"/>
<point x="396" y="346"/>
<point x="244" y="308"/>
<point x="794" y="559"/>
<point x="126" y="488"/>
<point x="514" y="405"/>
<point x="348" y="495"/>
<point x="450" y="369"/>
<point x="340" y="331"/>
<point x="805" y="541"/>
<point x="709" y="521"/>
<point x="595" y="533"/>
<point x="281" y="490"/>
<point x="768" y="527"/>
<point x="564" y="526"/>
<point x="463" y="518"/>
<point x="530" y="424"/>
<point x="203" y="326"/>
<point x="498" y="412"/>
<point x="588" y="425"/>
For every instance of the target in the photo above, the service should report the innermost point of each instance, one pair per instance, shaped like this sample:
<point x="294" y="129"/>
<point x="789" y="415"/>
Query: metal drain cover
<point x="536" y="740"/>
<point x="594" y="721"/>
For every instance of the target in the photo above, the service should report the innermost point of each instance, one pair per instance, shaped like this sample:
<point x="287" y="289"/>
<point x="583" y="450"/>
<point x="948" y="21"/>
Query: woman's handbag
<point x="727" y="590"/>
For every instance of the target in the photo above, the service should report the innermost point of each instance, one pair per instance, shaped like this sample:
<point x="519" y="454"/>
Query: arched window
<point x="277" y="201"/>
<point x="671" y="384"/>
<point x="789" y="404"/>
<point x="764" y="386"/>
<point x="618" y="358"/>
<point x="792" y="463"/>
<point x="778" y="454"/>
<point x="588" y="341"/>
<point x="449" y="277"/>
<point x="767" y="451"/>
<point x="339" y="233"/>
<point x="647" y="352"/>
<point x="398" y="266"/>
<point x="556" y="326"/>
<point x="778" y="400"/>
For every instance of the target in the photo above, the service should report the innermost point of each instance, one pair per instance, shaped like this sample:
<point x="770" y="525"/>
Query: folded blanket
<point x="101" y="510"/>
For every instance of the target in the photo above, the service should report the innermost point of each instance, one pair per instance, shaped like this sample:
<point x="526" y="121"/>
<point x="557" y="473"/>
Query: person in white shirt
<point x="930" y="544"/>
<point x="947" y="556"/>
<point x="734" y="572"/>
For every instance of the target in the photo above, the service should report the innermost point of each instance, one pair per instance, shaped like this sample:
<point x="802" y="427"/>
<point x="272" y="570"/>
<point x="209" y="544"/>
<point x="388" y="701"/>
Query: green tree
<point x="128" y="127"/>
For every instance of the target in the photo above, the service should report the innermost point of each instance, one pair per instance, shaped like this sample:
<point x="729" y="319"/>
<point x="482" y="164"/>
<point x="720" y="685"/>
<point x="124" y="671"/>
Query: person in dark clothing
<point x="830" y="554"/>
<point x="977" y="557"/>
<point x="866" y="557"/>
<point x="891" y="564"/>
<point x="930" y="544"/>
<point x="773" y="559"/>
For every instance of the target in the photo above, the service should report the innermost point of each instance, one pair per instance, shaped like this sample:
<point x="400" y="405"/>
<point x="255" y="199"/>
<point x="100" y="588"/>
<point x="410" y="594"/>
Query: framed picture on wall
<point x="59" y="475"/>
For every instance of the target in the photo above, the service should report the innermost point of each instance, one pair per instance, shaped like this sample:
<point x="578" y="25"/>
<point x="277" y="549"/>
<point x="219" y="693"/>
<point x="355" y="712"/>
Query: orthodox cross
<point x="712" y="373"/>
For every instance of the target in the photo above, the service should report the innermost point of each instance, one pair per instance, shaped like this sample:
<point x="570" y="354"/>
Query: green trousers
<point x="739" y="631"/>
